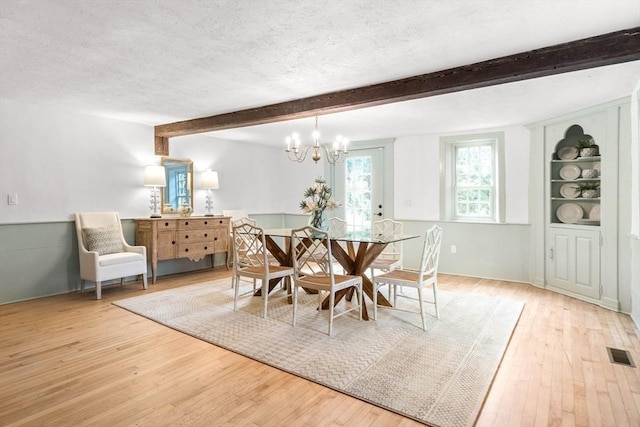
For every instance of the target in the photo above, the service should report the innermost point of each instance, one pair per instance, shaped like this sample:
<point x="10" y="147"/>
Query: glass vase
<point x="316" y="219"/>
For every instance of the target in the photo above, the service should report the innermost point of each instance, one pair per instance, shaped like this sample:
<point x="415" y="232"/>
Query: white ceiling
<point x="160" y="61"/>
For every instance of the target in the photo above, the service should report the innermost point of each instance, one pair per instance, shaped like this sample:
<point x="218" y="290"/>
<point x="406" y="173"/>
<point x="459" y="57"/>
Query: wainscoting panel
<point x="37" y="260"/>
<point x="496" y="251"/>
<point x="41" y="259"/>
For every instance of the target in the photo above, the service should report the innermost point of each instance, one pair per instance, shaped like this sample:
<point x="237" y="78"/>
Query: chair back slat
<point x="311" y="252"/>
<point x="431" y="251"/>
<point x="388" y="228"/>
<point x="244" y="220"/>
<point x="249" y="247"/>
<point x="337" y="227"/>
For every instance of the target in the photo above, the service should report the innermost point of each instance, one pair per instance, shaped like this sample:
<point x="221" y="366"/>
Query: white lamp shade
<point x="209" y="180"/>
<point x="154" y="176"/>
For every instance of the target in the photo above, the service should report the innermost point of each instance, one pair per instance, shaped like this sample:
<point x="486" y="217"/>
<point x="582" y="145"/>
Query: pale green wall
<point x="41" y="259"/>
<point x="37" y="260"/>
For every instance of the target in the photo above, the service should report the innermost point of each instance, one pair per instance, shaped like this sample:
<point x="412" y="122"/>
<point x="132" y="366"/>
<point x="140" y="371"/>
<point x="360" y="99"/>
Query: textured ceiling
<point x="160" y="61"/>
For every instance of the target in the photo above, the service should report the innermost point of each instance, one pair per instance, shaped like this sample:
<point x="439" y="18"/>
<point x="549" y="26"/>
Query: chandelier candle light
<point x="154" y="176"/>
<point x="335" y="153"/>
<point x="209" y="181"/>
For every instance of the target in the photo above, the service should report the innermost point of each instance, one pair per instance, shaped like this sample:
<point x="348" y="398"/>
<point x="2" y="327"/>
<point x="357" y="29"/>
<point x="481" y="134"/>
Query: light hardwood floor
<point x="73" y="360"/>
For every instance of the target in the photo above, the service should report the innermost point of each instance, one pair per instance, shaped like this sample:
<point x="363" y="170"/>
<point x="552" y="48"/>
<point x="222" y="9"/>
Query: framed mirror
<point x="179" y="189"/>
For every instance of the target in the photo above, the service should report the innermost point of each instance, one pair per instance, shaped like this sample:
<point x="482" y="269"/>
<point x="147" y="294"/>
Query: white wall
<point x="417" y="175"/>
<point x="256" y="178"/>
<point x="59" y="163"/>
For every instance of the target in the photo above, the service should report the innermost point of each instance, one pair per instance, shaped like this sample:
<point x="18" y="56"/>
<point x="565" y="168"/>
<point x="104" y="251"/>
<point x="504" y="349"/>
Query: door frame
<point x="388" y="170"/>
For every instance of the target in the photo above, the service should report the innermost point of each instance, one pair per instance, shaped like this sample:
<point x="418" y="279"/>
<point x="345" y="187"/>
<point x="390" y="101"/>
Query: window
<point x="357" y="209"/>
<point x="471" y="177"/>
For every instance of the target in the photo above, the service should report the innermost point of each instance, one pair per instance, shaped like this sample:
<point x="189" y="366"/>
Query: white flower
<point x="318" y="198"/>
<point x="310" y="207"/>
<point x="331" y="203"/>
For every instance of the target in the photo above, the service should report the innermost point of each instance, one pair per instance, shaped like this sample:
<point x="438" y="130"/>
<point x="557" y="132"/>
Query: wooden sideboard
<point x="192" y="238"/>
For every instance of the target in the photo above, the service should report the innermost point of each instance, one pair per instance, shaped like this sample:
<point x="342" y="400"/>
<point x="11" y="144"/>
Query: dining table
<point x="354" y="251"/>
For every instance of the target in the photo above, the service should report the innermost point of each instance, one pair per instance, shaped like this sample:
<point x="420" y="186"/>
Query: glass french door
<point x="359" y="185"/>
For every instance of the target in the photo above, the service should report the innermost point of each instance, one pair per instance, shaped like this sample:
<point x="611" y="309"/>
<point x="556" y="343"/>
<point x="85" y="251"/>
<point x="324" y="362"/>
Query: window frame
<point x="449" y="146"/>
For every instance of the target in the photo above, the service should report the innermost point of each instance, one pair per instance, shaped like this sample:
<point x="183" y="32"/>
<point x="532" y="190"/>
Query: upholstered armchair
<point x="104" y="253"/>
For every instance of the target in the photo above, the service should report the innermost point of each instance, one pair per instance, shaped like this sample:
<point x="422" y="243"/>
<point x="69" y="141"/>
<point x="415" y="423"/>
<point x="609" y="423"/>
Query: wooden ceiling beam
<point x="607" y="49"/>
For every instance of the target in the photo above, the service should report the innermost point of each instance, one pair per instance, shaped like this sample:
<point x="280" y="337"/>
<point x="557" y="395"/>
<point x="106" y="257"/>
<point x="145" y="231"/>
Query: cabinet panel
<point x="588" y="264"/>
<point x="574" y="261"/>
<point x="221" y="239"/>
<point x="561" y="258"/>
<point x="166" y="244"/>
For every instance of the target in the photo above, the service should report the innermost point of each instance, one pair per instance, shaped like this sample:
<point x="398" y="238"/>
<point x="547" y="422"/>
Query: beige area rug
<point x="439" y="377"/>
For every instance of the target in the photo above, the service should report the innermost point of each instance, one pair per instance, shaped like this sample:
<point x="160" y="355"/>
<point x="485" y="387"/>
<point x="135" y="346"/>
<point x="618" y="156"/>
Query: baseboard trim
<point x="485" y="277"/>
<point x="607" y="303"/>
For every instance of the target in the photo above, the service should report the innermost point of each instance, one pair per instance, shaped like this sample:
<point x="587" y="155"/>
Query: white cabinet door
<point x="574" y="261"/>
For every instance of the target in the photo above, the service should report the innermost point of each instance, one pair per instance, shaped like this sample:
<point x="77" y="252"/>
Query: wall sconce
<point x="209" y="182"/>
<point x="155" y="177"/>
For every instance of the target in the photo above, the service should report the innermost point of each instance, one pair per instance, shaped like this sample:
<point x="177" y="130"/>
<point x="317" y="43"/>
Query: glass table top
<point x="358" y="237"/>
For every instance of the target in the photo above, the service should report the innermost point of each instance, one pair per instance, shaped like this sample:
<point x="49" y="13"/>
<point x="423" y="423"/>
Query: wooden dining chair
<point x="426" y="276"/>
<point x="313" y="269"/>
<point x="251" y="259"/>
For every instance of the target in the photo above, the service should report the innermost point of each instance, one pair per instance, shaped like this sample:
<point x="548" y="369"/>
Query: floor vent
<point x="621" y="357"/>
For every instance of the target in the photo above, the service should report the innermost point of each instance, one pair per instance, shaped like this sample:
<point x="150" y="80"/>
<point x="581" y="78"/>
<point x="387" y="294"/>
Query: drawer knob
<point x="206" y="235"/>
<point x="215" y="238"/>
<point x="205" y="248"/>
<point x="186" y="237"/>
<point x="205" y="223"/>
<point x="166" y="224"/>
<point x="186" y="250"/>
<point x="173" y="242"/>
<point x="186" y="223"/>
<point x="220" y="221"/>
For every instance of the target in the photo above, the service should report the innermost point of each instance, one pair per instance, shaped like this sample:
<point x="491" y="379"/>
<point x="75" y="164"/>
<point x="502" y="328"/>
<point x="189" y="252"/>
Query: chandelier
<point x="335" y="153"/>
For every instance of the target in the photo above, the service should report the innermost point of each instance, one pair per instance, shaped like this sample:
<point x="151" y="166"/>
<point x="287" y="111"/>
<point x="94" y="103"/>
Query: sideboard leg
<point x="154" y="268"/>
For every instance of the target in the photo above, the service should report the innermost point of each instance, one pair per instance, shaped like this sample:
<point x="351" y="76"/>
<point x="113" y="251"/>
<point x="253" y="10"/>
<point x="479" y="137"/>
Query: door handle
<point x="551" y="253"/>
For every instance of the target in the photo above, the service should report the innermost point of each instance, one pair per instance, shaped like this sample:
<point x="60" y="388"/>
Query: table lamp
<point x="209" y="182"/>
<point x="155" y="177"/>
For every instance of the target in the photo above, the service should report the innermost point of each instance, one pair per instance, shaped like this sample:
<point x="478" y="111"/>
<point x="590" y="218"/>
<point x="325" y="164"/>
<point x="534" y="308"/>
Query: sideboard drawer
<point x="195" y="251"/>
<point x="189" y="223"/>
<point x="194" y="236"/>
<point x="166" y="225"/>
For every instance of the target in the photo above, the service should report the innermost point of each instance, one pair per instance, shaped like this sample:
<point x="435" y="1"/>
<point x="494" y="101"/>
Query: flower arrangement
<point x="317" y="198"/>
